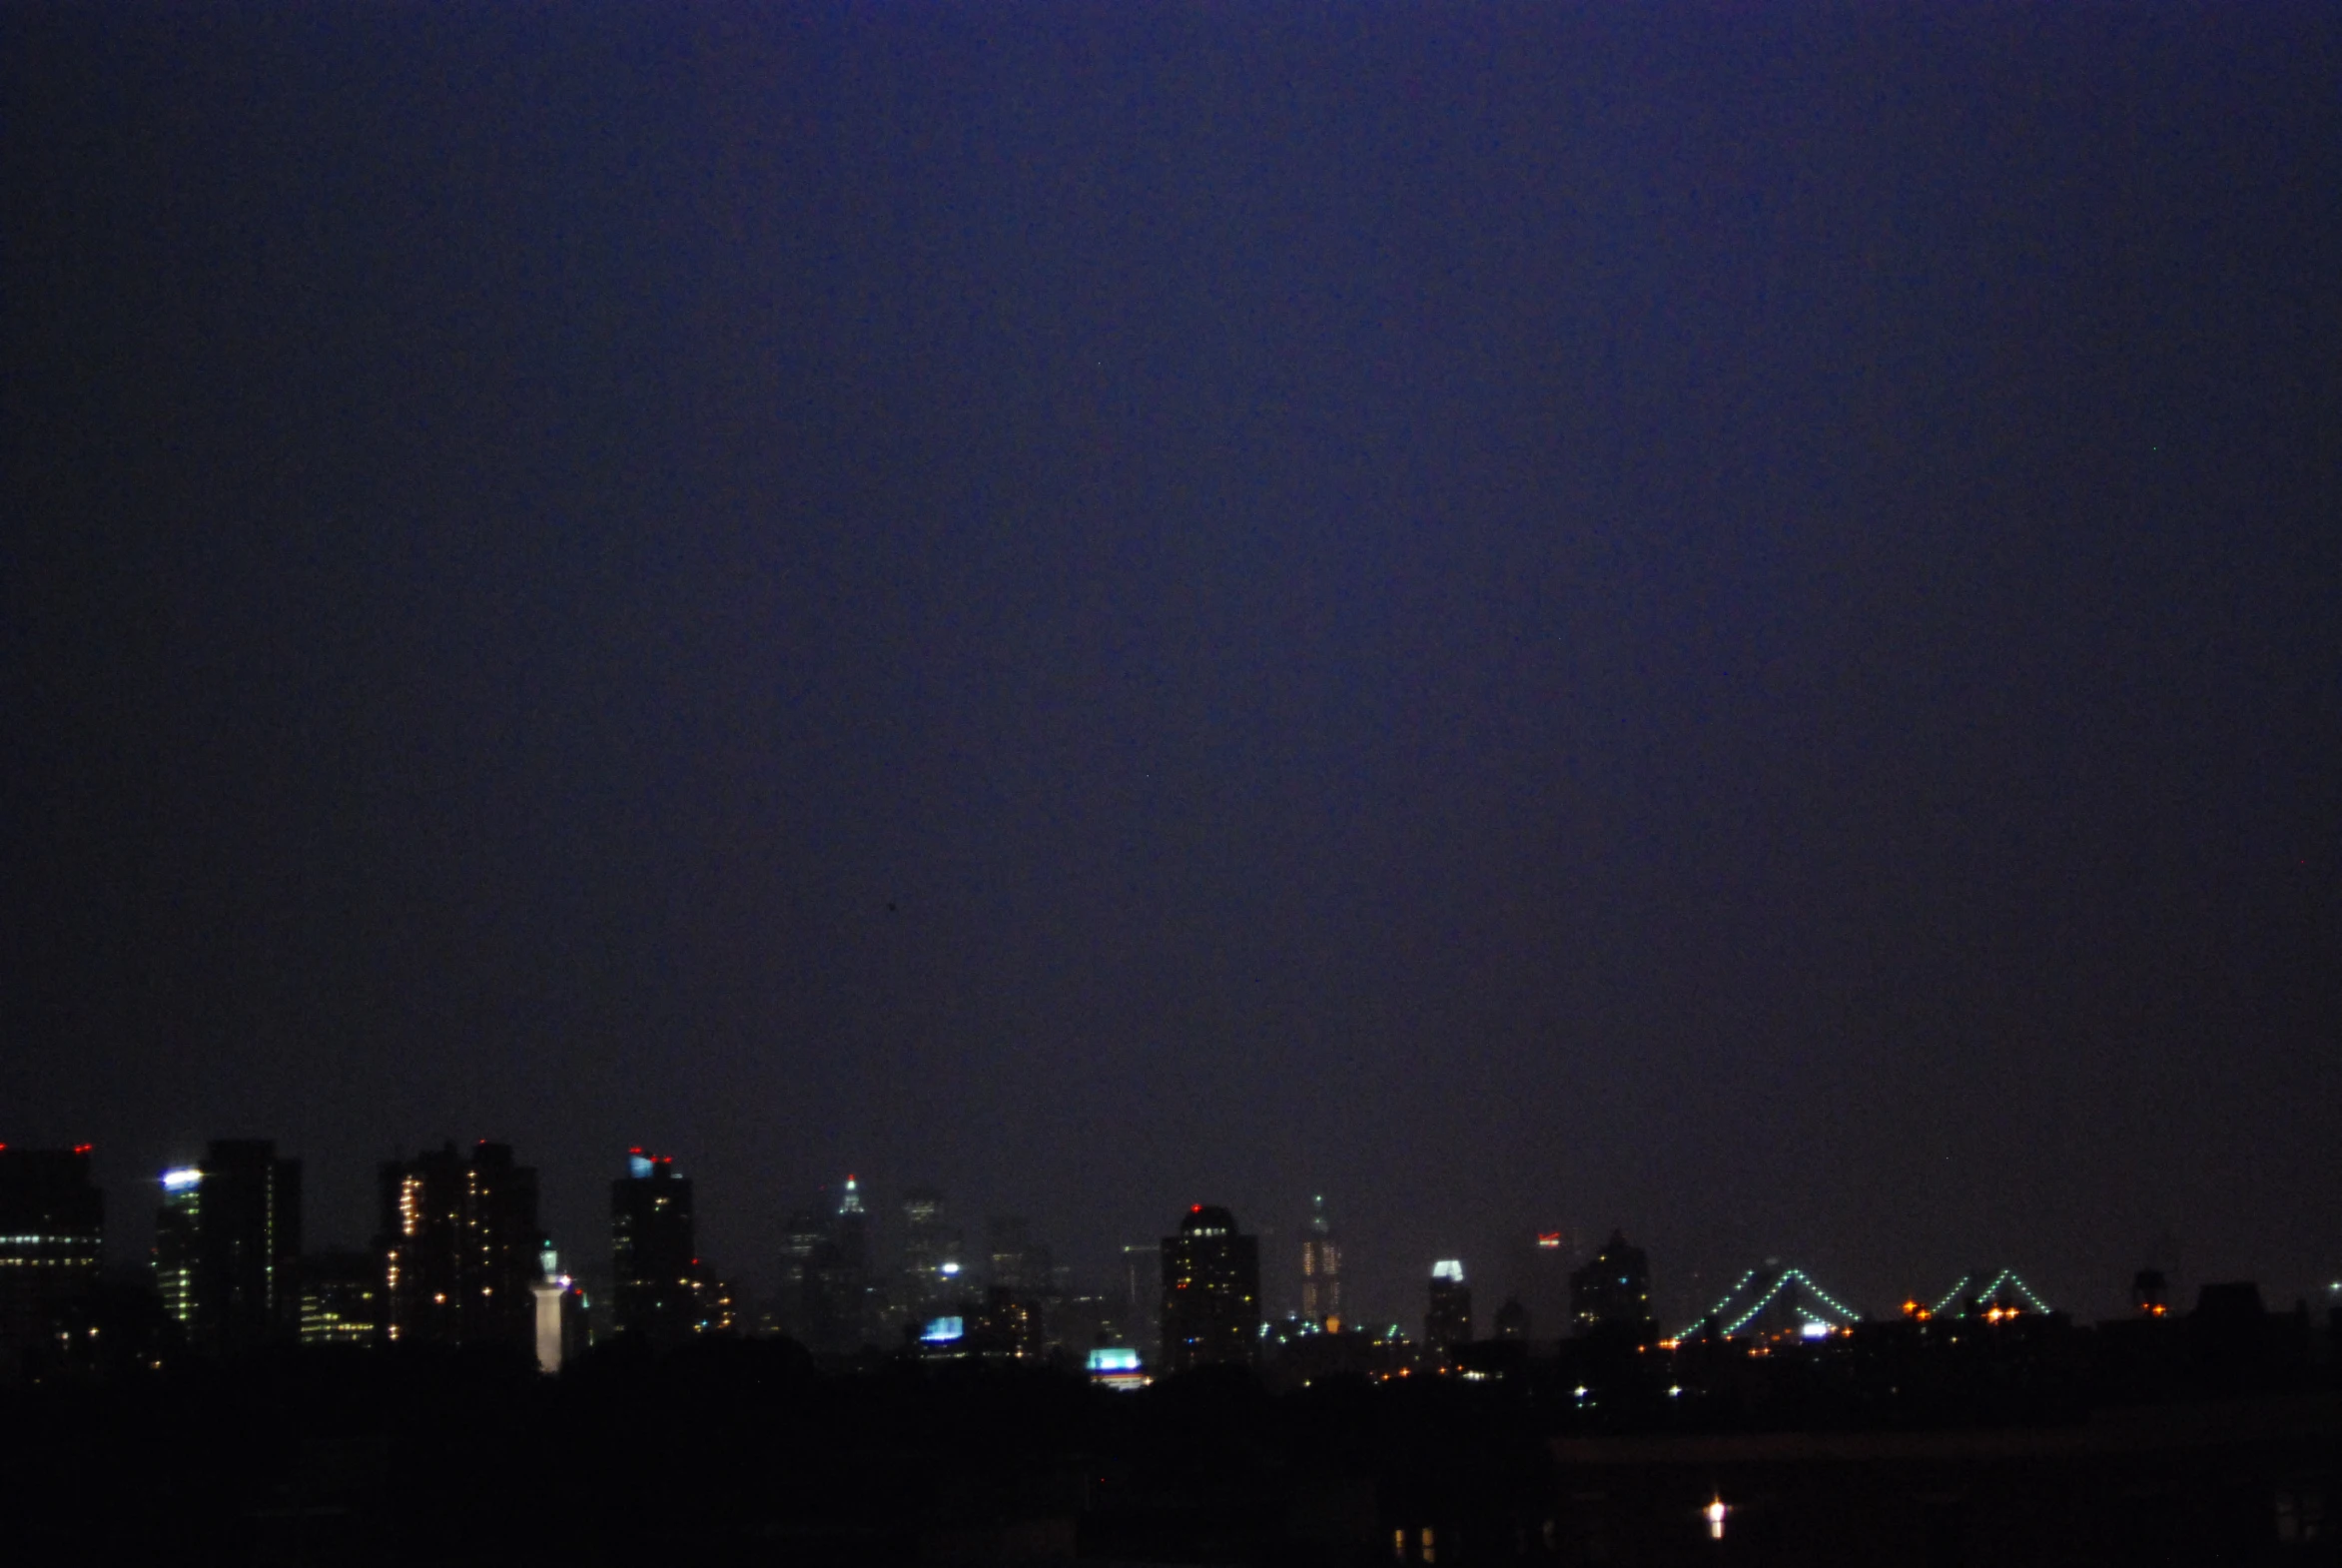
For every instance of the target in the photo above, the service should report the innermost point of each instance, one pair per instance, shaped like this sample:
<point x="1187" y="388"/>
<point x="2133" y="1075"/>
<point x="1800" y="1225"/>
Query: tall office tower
<point x="1018" y="1263"/>
<point x="1612" y="1295"/>
<point x="176" y="1244"/>
<point x="850" y="1226"/>
<point x="1447" y="1322"/>
<point x="228" y="1247"/>
<point x="654" y="1281"/>
<point x="341" y="1298"/>
<point x="824" y="1301"/>
<point x="845" y="1271"/>
<point x="930" y="1254"/>
<point x="1210" y="1292"/>
<point x="802" y="1311"/>
<point x="1006" y="1237"/>
<point x="52" y="1220"/>
<point x="1320" y="1271"/>
<point x="459" y="1243"/>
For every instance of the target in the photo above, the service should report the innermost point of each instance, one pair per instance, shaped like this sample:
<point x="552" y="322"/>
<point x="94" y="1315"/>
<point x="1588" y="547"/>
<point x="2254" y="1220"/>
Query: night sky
<point x="1724" y="621"/>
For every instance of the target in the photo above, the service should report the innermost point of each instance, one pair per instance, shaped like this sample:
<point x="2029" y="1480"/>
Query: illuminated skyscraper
<point x="52" y="1220"/>
<point x="845" y="1271"/>
<point x="654" y="1281"/>
<point x="1612" y="1295"/>
<point x="1320" y="1271"/>
<point x="460" y="1246"/>
<point x="1447" y="1322"/>
<point x="1210" y="1292"/>
<point x="228" y="1247"/>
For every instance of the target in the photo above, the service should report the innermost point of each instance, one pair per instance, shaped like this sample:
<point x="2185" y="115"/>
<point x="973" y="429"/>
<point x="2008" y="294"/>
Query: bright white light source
<point x="951" y="1269"/>
<point x="181" y="1180"/>
<point x="1715" y="1512"/>
<point x="1448" y="1268"/>
<point x="1814" y="1329"/>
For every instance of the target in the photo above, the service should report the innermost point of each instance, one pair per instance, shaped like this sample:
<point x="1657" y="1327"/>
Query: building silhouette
<point x="846" y="1274"/>
<point x="1210" y="1292"/>
<point x="460" y="1244"/>
<point x="654" y="1263"/>
<point x="1612" y="1294"/>
<point x="1448" y="1320"/>
<point x="802" y="1309"/>
<point x="228" y="1247"/>
<point x="1018" y="1263"/>
<point x="1133" y="1315"/>
<point x="1512" y="1319"/>
<point x="52" y="1222"/>
<point x="932" y="1275"/>
<point x="1321" y="1271"/>
<point x="825" y="1296"/>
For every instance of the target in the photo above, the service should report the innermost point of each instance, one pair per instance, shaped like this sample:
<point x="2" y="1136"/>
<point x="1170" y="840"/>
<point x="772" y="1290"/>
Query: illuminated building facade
<point x="459" y="1245"/>
<point x="1447" y="1320"/>
<point x="1210" y="1292"/>
<point x="1612" y="1294"/>
<point x="52" y="1220"/>
<point x="654" y="1264"/>
<point x="1321" y="1271"/>
<point x="228" y="1247"/>
<point x="341" y="1298"/>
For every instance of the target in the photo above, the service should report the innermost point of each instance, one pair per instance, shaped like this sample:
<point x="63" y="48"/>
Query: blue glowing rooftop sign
<point x="1113" y="1358"/>
<point x="943" y="1330"/>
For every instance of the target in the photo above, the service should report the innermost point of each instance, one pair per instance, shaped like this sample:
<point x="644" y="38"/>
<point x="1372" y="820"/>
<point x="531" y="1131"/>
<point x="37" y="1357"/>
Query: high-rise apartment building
<point x="1612" y="1294"/>
<point x="1210" y="1292"/>
<point x="341" y="1298"/>
<point x="52" y="1222"/>
<point x="654" y="1263"/>
<point x="1447" y="1320"/>
<point x="228" y="1247"/>
<point x="1320" y="1271"/>
<point x="459" y="1243"/>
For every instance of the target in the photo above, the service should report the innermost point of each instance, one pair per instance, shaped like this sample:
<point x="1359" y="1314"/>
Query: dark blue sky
<point x="1723" y="623"/>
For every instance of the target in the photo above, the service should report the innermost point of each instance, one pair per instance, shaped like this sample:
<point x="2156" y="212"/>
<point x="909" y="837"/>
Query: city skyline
<point x="1715" y="622"/>
<point x="1507" y="1272"/>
